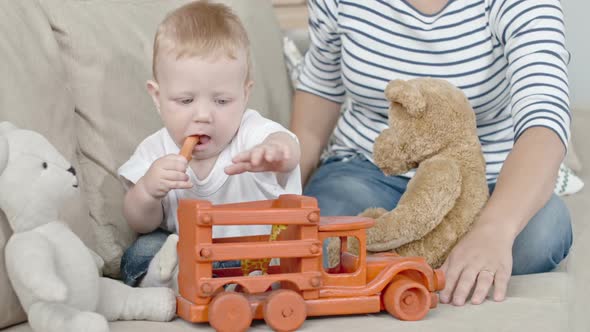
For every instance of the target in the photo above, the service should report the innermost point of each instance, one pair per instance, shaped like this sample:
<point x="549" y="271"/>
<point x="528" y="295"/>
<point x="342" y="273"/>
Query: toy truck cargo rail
<point x="404" y="286"/>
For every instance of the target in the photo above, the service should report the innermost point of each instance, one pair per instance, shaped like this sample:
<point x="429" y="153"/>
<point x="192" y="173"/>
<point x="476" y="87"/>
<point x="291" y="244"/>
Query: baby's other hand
<point x="165" y="174"/>
<point x="269" y="156"/>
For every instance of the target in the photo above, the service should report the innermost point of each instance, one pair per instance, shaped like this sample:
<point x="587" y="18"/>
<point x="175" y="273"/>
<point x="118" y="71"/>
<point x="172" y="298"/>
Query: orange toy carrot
<point x="188" y="146"/>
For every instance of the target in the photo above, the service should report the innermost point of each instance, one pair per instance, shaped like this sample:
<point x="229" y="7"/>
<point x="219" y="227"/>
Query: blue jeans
<point x="137" y="258"/>
<point x="347" y="186"/>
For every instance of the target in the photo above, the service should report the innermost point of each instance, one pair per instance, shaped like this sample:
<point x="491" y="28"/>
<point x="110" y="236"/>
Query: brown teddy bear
<point x="432" y="128"/>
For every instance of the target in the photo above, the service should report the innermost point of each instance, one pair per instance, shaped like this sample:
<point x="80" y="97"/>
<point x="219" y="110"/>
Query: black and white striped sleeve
<point x="532" y="33"/>
<point x="321" y="73"/>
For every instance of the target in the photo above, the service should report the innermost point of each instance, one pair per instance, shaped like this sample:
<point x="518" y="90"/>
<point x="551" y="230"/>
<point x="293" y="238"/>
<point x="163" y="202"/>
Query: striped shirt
<point x="507" y="56"/>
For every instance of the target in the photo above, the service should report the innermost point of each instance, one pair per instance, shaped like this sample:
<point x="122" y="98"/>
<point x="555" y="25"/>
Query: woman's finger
<point x="485" y="279"/>
<point x="501" y="284"/>
<point x="464" y="285"/>
<point x="452" y="272"/>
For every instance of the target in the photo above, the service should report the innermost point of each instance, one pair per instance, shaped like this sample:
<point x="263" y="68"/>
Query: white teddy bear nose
<point x="72" y="170"/>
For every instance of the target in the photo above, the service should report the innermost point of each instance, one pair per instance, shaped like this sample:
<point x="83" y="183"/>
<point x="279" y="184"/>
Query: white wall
<point x="578" y="43"/>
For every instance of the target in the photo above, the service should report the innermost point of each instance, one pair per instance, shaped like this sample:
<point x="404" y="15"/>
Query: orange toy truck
<point x="404" y="286"/>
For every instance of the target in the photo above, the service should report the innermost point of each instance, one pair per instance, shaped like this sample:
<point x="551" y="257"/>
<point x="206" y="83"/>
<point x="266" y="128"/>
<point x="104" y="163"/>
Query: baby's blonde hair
<point x="201" y="28"/>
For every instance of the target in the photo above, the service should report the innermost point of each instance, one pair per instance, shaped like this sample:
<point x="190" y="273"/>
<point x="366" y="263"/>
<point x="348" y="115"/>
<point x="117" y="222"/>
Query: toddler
<point x="201" y="85"/>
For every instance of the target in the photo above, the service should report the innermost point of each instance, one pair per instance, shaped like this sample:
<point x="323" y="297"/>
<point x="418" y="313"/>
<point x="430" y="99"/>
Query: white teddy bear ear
<point x="3" y="153"/>
<point x="6" y="126"/>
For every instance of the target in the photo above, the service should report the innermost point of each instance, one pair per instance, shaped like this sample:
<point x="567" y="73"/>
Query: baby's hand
<point x="165" y="174"/>
<point x="269" y="156"/>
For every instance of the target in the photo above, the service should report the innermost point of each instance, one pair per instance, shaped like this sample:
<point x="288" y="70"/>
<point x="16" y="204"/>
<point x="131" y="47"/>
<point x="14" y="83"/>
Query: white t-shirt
<point x="218" y="187"/>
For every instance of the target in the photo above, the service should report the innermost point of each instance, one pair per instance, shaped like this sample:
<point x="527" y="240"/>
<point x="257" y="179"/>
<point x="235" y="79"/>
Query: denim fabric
<point x="137" y="258"/>
<point x="226" y="264"/>
<point x="349" y="185"/>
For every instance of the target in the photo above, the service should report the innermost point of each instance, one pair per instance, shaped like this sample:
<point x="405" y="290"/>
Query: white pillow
<point x="293" y="59"/>
<point x="567" y="182"/>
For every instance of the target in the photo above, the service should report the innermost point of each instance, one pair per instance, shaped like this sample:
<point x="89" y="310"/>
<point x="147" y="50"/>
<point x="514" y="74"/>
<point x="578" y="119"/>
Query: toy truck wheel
<point x="229" y="311"/>
<point x="284" y="310"/>
<point x="406" y="299"/>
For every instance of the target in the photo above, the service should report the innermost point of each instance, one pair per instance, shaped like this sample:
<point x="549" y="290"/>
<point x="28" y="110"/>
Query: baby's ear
<point x="407" y="95"/>
<point x="248" y="89"/>
<point x="154" y="91"/>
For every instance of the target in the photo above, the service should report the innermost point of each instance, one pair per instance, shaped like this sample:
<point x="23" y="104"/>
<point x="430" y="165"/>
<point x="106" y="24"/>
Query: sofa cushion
<point x="107" y="49"/>
<point x="34" y="95"/>
<point x="535" y="303"/>
<point x="578" y="203"/>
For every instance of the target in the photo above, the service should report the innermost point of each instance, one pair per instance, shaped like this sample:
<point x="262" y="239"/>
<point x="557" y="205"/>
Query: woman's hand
<point x="484" y="256"/>
<point x="481" y="258"/>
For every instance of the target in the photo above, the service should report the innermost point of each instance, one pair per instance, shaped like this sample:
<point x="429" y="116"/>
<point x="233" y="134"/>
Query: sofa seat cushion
<point x="535" y="303"/>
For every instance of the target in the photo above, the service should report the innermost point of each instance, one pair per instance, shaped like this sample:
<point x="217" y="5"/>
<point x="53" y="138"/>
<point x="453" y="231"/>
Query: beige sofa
<point x="75" y="71"/>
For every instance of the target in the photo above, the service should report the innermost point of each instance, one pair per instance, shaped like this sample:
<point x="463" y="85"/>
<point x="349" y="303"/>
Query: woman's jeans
<point x="347" y="186"/>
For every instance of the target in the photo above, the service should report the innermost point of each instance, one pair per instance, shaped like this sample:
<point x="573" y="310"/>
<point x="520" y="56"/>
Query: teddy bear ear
<point x="3" y="153"/>
<point x="6" y="126"/>
<point x="407" y="95"/>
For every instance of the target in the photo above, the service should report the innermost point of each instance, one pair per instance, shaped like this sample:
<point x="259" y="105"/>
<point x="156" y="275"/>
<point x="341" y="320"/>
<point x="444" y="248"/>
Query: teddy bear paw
<point x="385" y="245"/>
<point x="373" y="213"/>
<point x="55" y="292"/>
<point x="159" y="304"/>
<point x="168" y="257"/>
<point x="333" y="251"/>
<point x="168" y="310"/>
<point x="382" y="237"/>
<point x="87" y="321"/>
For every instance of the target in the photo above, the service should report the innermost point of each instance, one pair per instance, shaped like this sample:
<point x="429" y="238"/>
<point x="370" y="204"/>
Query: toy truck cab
<point x="403" y="286"/>
<point x="407" y="285"/>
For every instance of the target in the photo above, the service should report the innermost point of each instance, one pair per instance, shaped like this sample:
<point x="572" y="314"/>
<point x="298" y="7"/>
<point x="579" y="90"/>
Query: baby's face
<point x="203" y="96"/>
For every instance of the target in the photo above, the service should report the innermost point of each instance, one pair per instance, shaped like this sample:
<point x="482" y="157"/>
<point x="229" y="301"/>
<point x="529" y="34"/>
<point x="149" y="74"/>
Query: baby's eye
<point x="222" y="101"/>
<point x="186" y="101"/>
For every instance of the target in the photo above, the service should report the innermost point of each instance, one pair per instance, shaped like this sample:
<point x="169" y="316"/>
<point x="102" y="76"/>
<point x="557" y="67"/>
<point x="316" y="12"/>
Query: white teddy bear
<point x="55" y="276"/>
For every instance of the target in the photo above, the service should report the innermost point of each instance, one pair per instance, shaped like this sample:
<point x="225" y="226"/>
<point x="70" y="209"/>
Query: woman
<point x="508" y="57"/>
